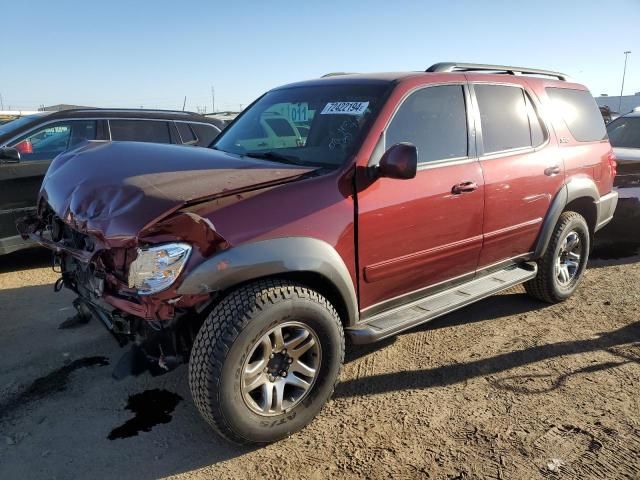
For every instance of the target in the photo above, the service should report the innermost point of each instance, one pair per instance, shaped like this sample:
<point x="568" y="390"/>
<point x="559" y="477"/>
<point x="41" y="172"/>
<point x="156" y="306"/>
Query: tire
<point x="232" y="340"/>
<point x="552" y="285"/>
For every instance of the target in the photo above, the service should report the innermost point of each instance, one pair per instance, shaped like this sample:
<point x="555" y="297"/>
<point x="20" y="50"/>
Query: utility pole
<point x="184" y="103"/>
<point x="213" y="100"/>
<point x="1" y="102"/>
<point x="624" y="72"/>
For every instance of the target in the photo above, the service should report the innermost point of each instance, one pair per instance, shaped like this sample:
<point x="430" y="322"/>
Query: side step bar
<point x="402" y="318"/>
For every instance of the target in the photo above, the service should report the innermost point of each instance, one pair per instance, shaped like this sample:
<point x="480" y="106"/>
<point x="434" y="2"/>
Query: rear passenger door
<point x="522" y="171"/>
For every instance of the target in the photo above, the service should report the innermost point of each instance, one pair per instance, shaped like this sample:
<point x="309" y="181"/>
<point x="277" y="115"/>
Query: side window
<point x="140" y="131"/>
<point x="186" y="134"/>
<point x="580" y="112"/>
<point x="55" y="138"/>
<point x="206" y="133"/>
<point x="503" y="116"/>
<point x="433" y="119"/>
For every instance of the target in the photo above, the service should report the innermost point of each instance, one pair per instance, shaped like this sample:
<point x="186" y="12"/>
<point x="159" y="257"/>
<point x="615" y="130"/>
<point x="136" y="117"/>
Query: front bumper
<point x="606" y="207"/>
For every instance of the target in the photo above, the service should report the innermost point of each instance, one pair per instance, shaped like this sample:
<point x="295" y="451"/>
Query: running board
<point x="394" y="321"/>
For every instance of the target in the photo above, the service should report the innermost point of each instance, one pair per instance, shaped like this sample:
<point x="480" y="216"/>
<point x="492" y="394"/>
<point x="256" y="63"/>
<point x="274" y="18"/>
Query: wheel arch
<point x="305" y="260"/>
<point x="579" y="195"/>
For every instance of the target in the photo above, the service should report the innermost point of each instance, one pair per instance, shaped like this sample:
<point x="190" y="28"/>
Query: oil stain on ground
<point x="151" y="408"/>
<point x="51" y="383"/>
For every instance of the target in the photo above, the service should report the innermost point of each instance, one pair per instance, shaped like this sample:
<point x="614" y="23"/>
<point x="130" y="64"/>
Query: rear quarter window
<point x="580" y="113"/>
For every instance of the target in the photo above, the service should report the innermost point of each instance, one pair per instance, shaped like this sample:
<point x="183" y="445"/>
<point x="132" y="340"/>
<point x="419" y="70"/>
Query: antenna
<point x="184" y="104"/>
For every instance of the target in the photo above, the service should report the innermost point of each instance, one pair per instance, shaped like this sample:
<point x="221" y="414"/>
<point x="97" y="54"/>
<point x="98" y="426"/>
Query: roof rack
<point x="480" y="67"/>
<point x="335" y="74"/>
<point x="145" y="110"/>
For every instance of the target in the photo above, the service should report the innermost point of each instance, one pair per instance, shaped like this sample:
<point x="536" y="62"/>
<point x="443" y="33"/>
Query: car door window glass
<point x="503" y="116"/>
<point x="206" y="133"/>
<point x="434" y="120"/>
<point x="140" y="131"/>
<point x="186" y="133"/>
<point x="625" y="132"/>
<point x="580" y="113"/>
<point x="55" y="138"/>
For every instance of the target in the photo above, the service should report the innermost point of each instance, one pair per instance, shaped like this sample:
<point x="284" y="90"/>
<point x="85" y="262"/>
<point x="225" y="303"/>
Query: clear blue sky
<point x="154" y="52"/>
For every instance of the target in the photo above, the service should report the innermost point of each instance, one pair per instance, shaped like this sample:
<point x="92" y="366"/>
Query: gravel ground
<point x="507" y="388"/>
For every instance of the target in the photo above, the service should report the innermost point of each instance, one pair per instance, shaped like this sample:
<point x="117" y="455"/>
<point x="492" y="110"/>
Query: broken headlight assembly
<point x="156" y="268"/>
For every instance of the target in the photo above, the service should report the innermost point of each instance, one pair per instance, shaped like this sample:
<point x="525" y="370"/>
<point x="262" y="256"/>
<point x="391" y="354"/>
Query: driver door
<point x="422" y="232"/>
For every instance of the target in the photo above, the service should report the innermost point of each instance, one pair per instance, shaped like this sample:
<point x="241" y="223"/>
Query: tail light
<point x="24" y="147"/>
<point x="613" y="164"/>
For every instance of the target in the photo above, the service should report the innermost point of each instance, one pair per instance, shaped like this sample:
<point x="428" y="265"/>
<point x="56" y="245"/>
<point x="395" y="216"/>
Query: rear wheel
<point x="266" y="360"/>
<point x="561" y="268"/>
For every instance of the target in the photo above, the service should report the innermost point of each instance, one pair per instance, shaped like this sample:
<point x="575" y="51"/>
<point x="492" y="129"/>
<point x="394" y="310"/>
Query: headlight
<point x="156" y="268"/>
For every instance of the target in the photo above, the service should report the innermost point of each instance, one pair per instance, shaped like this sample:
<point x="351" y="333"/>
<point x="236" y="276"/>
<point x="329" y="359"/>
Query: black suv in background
<point x="40" y="137"/>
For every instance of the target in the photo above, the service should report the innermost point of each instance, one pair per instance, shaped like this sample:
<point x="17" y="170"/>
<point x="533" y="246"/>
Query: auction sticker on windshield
<point x="344" y="108"/>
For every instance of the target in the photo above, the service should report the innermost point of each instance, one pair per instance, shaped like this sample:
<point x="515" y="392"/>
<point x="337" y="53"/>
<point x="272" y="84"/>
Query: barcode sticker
<point x="344" y="108"/>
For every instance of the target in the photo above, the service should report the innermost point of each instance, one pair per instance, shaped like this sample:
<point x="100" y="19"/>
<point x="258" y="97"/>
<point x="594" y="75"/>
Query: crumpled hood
<point x="116" y="189"/>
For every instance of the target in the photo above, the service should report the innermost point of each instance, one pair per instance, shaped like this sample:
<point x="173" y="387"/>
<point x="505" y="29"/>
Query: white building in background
<point x="629" y="102"/>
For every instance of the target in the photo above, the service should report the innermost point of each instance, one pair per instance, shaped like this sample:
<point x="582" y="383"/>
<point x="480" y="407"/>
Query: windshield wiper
<point x="276" y="157"/>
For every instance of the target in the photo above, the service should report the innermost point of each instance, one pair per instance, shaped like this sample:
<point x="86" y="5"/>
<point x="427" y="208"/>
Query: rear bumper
<point x="606" y="208"/>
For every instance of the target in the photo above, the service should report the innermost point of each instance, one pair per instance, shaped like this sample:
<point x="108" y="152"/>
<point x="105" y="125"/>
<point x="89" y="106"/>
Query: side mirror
<point x="399" y="161"/>
<point x="9" y="155"/>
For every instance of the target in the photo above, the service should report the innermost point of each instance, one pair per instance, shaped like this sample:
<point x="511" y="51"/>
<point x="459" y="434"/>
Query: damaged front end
<point x="130" y="288"/>
<point x="122" y="235"/>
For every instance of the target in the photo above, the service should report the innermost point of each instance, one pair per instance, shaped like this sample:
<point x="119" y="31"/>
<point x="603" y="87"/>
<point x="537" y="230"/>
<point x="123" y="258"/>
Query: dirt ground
<point x="508" y="388"/>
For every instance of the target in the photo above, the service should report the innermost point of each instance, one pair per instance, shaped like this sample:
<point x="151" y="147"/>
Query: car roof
<point x="340" y="78"/>
<point x="129" y="113"/>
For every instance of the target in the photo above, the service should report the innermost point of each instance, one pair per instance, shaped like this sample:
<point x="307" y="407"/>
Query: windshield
<point x="625" y="132"/>
<point x="317" y="126"/>
<point x="16" y="123"/>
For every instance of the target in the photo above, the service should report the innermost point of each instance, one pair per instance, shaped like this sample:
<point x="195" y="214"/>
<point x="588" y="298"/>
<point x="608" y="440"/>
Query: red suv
<point x="402" y="196"/>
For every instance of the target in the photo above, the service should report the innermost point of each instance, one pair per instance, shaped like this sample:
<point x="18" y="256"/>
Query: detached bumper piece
<point x="157" y="347"/>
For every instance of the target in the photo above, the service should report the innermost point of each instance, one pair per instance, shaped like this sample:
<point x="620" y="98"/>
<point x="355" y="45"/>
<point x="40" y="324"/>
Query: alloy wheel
<point x="281" y="368"/>
<point x="568" y="259"/>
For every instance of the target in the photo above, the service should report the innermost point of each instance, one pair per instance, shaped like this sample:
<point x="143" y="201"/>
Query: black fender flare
<point x="581" y="187"/>
<point x="264" y="258"/>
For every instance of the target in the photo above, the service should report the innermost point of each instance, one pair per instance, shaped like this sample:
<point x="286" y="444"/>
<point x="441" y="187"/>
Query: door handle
<point x="464" y="187"/>
<point x="555" y="170"/>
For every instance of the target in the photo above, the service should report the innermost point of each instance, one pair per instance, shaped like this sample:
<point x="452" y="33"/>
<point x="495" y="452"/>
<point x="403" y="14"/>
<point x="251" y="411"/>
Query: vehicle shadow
<point x="36" y="257"/>
<point x="456" y="373"/>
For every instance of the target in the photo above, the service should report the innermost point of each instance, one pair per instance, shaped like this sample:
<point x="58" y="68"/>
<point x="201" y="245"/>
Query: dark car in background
<point x="40" y="137"/>
<point x="624" y="135"/>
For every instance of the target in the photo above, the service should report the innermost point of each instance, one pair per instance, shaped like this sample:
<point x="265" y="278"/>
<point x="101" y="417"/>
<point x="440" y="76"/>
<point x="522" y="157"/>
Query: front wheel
<point x="561" y="269"/>
<point x="266" y="360"/>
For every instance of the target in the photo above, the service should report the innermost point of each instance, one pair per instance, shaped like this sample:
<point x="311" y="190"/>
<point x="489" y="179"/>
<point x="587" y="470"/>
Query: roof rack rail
<point x="146" y="110"/>
<point x="481" y="67"/>
<point x="335" y="74"/>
